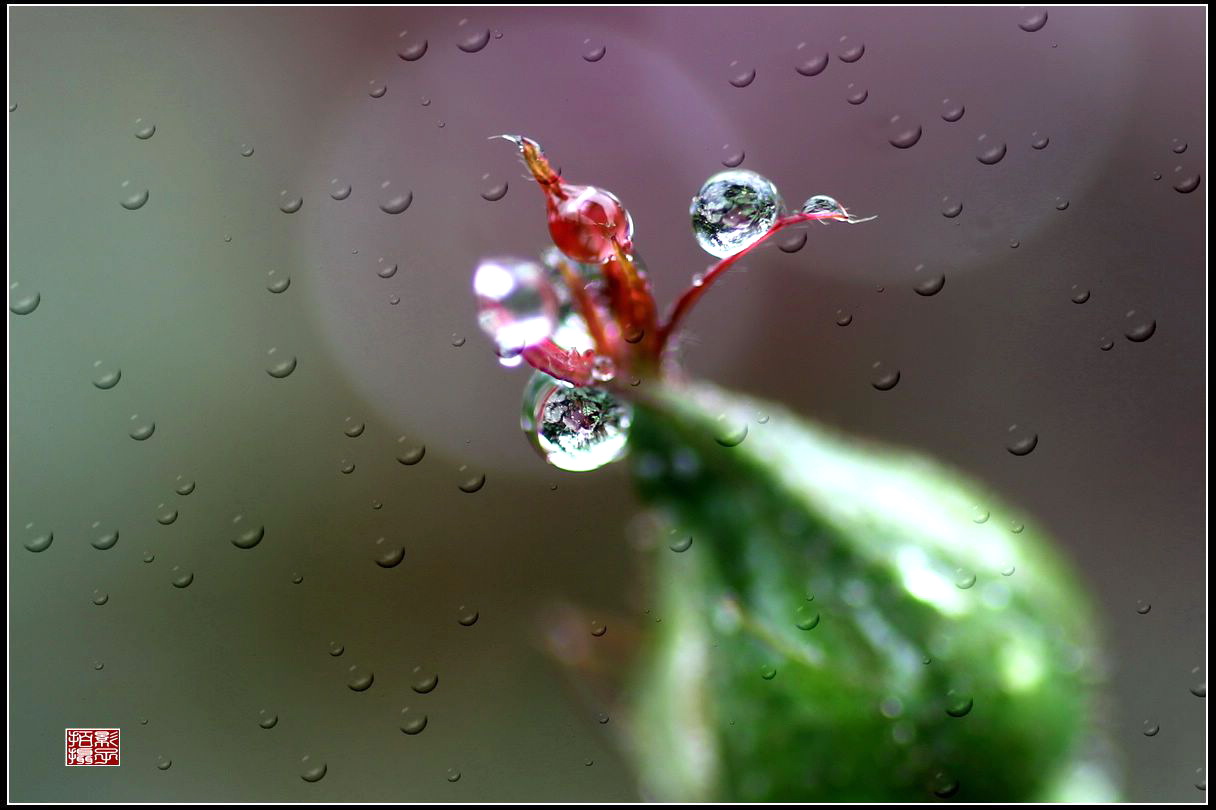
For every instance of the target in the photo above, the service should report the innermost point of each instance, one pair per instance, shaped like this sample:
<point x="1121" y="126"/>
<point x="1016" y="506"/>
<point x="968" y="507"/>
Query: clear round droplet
<point x="281" y="366"/>
<point x="1079" y="294"/>
<point x="277" y="282"/>
<point x="267" y="719"/>
<point x="904" y="134"/>
<point x="100" y="598"/>
<point x="106" y="541"/>
<point x="991" y="151"/>
<point x="493" y="190"/>
<point x="807" y="618"/>
<point x="290" y="204"/>
<point x="141" y="429"/>
<point x="1038" y="141"/>
<point x="22" y="302"/>
<point x="412" y="721"/>
<point x="575" y="429"/>
<point x="741" y="77"/>
<point x="474" y="41"/>
<point x="249" y="537"/>
<point x="681" y="544"/>
<point x="593" y="52"/>
<point x="729" y="431"/>
<point x="144" y="129"/>
<point x="423" y="681"/>
<point x="1034" y="21"/>
<point x="453" y="775"/>
<point x="106" y="377"/>
<point x="1021" y="442"/>
<point x="133" y="198"/>
<point x="181" y="577"/>
<point x="409" y="453"/>
<point x="411" y="49"/>
<point x="732" y="210"/>
<point x="952" y="111"/>
<point x="312" y="770"/>
<point x="951" y="208"/>
<point x="958" y="704"/>
<point x="850" y="51"/>
<point x="395" y="203"/>
<point x="1138" y="327"/>
<point x="1151" y="729"/>
<point x="768" y="672"/>
<point x="359" y="679"/>
<point x="467" y="616"/>
<point x="163" y="763"/>
<point x="964" y="579"/>
<point x="470" y="481"/>
<point x="927" y="282"/>
<point x="883" y="377"/>
<point x="376" y="89"/>
<point x="856" y="95"/>
<point x="813" y="66"/>
<point x="1143" y="607"/>
<point x="339" y="190"/>
<point x="388" y="554"/>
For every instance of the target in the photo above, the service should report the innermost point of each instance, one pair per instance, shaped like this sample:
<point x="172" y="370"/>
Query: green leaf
<point x="795" y="521"/>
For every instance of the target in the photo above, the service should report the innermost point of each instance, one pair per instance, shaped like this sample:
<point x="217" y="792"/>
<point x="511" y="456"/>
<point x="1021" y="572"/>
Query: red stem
<point x="694" y="293"/>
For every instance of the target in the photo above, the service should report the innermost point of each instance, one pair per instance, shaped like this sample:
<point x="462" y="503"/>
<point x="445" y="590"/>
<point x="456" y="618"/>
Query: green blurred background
<point x="175" y="295"/>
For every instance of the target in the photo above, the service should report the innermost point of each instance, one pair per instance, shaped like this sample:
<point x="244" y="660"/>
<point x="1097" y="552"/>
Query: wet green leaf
<point x="952" y="657"/>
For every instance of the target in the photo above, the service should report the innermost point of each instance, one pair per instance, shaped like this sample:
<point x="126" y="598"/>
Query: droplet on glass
<point x="807" y="618"/>
<point x="733" y="156"/>
<point x="412" y="722"/>
<point x="106" y="541"/>
<point x="1021" y="442"/>
<point x="850" y="51"/>
<point x="411" y="50"/>
<point x="991" y="151"/>
<point x="1139" y="328"/>
<point x="856" y="95"/>
<point x="386" y="269"/>
<point x="474" y="41"/>
<point x="593" y="52"/>
<point x="1143" y="607"/>
<point x="22" y="302"/>
<point x="681" y="544"/>
<point x="741" y="77"/>
<point x="1151" y="729"/>
<point x="409" y="453"/>
<point x="453" y="775"/>
<point x="467" y="616"/>
<point x="134" y="198"/>
<point x="1186" y="183"/>
<point x="494" y="191"/>
<point x="884" y="378"/>
<point x="843" y="318"/>
<point x="166" y="516"/>
<point x="359" y="679"/>
<point x="181" y="577"/>
<point x="339" y="190"/>
<point x="952" y="111"/>
<point x="470" y="481"/>
<point x="144" y="130"/>
<point x="107" y="376"/>
<point x="1034" y="21"/>
<point x="163" y="763"/>
<point x="142" y="429"/>
<point x="100" y="598"/>
<point x="734" y="209"/>
<point x="768" y="672"/>
<point x="964" y="579"/>
<point x="376" y="89"/>
<point x="246" y="150"/>
<point x="395" y="203"/>
<point x="277" y="283"/>
<point x="1079" y="294"/>
<point x="1038" y="141"/>
<point x="267" y="719"/>
<point x="813" y="65"/>
<point x="423" y="681"/>
<point x="248" y="538"/>
<point x="388" y="555"/>
<point x="951" y="208"/>
<point x="928" y="283"/>
<point x="904" y="134"/>
<point x="312" y="770"/>
<point x="281" y="366"/>
<point x="958" y="704"/>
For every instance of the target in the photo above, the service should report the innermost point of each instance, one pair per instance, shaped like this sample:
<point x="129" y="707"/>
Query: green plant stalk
<point x="857" y="708"/>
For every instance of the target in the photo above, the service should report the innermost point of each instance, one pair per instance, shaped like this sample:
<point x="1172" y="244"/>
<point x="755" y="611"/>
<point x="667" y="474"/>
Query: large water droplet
<point x="359" y="679"/>
<point x="387" y="554"/>
<point x="850" y="51"/>
<point x="311" y="770"/>
<point x="576" y="429"/>
<point x="290" y="204"/>
<point x="423" y="681"/>
<point x="411" y="49"/>
<point x="181" y="577"/>
<point x="732" y="210"/>
<point x="517" y="305"/>
<point x="395" y="203"/>
<point x="856" y="95"/>
<point x="928" y="283"/>
<point x="952" y="111"/>
<point x="409" y="453"/>
<point x="467" y="616"/>
<point x="991" y="151"/>
<point x="107" y="376"/>
<point x="494" y="191"/>
<point x="133" y="198"/>
<point x="267" y="719"/>
<point x="474" y="41"/>
<point x="904" y="134"/>
<point x="412" y="722"/>
<point x="1034" y="22"/>
<point x="281" y="366"/>
<point x="958" y="704"/>
<point x="144" y="130"/>
<point x="22" y="302"/>
<point x="106" y="541"/>
<point x="248" y="538"/>
<point x="884" y="378"/>
<point x="741" y="77"/>
<point x="593" y="52"/>
<point x="814" y="65"/>
<point x="1139" y="328"/>
<point x="142" y="429"/>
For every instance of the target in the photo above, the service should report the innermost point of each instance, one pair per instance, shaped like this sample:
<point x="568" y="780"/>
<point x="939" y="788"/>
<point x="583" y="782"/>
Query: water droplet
<point x="250" y="537"/>
<point x="106" y="541"/>
<point x="412" y="722"/>
<point x="1016" y="526"/>
<point x="741" y="77"/>
<point x="297" y="579"/>
<point x="107" y="376"/>
<point x="409" y="454"/>
<point x="958" y="704"/>
<point x="952" y="111"/>
<point x="1079" y="294"/>
<point x="1151" y="729"/>
<point x="339" y="190"/>
<point x="466" y="616"/>
<point x="474" y="41"/>
<point x="807" y="618"/>
<point x="470" y="481"/>
<point x="388" y="555"/>
<point x="964" y="579"/>
<point x="353" y="429"/>
<point x="1178" y="146"/>
<point x="181" y="577"/>
<point x="814" y="65"/>
<point x="850" y="51"/>
<point x="1199" y="685"/>
<point x="100" y="597"/>
<point x="602" y="718"/>
<point x="517" y="305"/>
<point x="598" y="629"/>
<point x="733" y="157"/>
<point x="944" y="786"/>
<point x="1061" y="204"/>
<point x="1139" y="328"/>
<point x="575" y="429"/>
<point x="991" y="152"/>
<point x="164" y="763"/>
<point x="1186" y="182"/>
<point x="396" y="203"/>
<point x="856" y="95"/>
<point x="1038" y="141"/>
<point x="99" y="666"/>
<point x="277" y="283"/>
<point x="593" y="53"/>
<point x="1143" y="607"/>
<point x="144" y="131"/>
<point x="149" y="557"/>
<point x="1013" y="243"/>
<point x="732" y="210"/>
<point x="22" y="303"/>
<point x="768" y="672"/>
<point x="1034" y="22"/>
<point x="729" y="431"/>
<point x="843" y="318"/>
<point x="494" y="191"/>
<point x="424" y="681"/>
<point x="904" y="135"/>
<point x="1021" y="442"/>
<point x="979" y="514"/>
<point x="143" y="429"/>
<point x="166" y="516"/>
<point x="1008" y="571"/>
<point x="282" y="366"/>
<point x="411" y="50"/>
<point x="928" y="284"/>
<point x="425" y="101"/>
<point x="1106" y="344"/>
<point x="267" y="719"/>
<point x="359" y="679"/>
<point x="246" y="150"/>
<point x="376" y="89"/>
<point x="681" y="544"/>
<point x="453" y="775"/>
<point x="347" y="467"/>
<point x="457" y="340"/>
<point x="312" y="771"/>
<point x="134" y="198"/>
<point x="794" y="243"/>
<point x="336" y="649"/>
<point x="289" y="205"/>
<point x="951" y="209"/>
<point x="884" y="379"/>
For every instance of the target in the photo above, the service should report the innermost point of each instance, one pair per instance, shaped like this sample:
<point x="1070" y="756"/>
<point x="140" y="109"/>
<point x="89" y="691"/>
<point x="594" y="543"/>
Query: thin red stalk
<point x="559" y="363"/>
<point x="694" y="293"/>
<point x="604" y="345"/>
